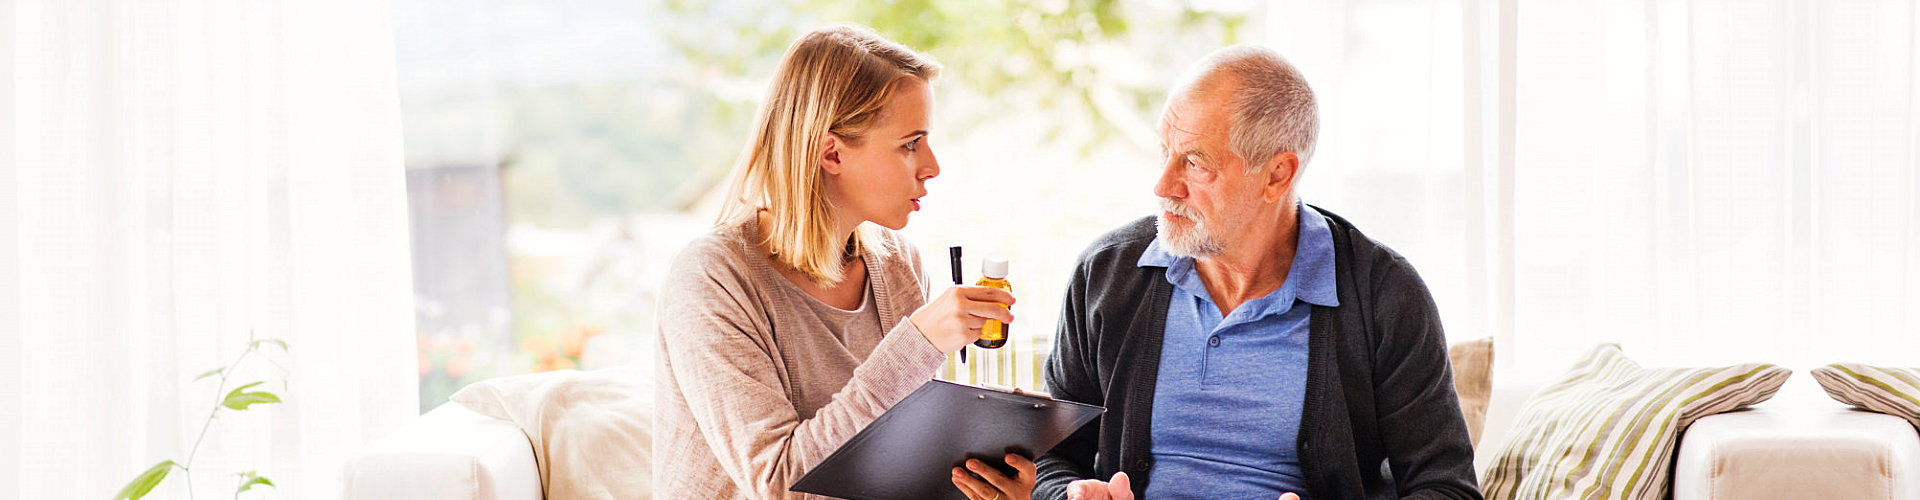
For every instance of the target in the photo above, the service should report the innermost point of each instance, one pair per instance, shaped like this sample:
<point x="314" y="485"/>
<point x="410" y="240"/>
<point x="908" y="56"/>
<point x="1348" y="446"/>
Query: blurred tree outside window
<point x="561" y="153"/>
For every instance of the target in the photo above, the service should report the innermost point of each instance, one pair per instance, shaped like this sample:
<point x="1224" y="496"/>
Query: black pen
<point x="953" y="255"/>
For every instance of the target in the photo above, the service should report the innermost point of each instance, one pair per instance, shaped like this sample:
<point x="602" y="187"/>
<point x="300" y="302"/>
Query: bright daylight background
<point x="420" y="194"/>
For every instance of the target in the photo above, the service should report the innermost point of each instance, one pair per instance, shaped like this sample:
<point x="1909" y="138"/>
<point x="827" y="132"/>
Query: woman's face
<point x="882" y="178"/>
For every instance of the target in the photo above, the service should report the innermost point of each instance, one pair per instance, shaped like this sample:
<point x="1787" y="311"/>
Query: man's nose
<point x="1169" y="186"/>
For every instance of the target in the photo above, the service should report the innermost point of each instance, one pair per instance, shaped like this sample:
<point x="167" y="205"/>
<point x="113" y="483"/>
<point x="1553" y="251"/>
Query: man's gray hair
<point x="1273" y="108"/>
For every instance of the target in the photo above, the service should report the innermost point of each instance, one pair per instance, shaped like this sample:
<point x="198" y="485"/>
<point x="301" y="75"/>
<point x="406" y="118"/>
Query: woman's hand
<point x="953" y="319"/>
<point x="997" y="486"/>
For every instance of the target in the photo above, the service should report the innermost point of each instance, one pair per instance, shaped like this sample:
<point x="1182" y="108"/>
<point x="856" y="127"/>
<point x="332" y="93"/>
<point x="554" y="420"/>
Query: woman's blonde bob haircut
<point x="833" y="80"/>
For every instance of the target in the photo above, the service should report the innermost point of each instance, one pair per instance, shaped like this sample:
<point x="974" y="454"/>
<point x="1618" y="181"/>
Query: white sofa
<point x="448" y="453"/>
<point x="454" y="453"/>
<point x="1800" y="442"/>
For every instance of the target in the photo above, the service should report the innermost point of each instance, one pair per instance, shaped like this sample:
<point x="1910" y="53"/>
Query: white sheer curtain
<point x="1701" y="181"/>
<point x="173" y="175"/>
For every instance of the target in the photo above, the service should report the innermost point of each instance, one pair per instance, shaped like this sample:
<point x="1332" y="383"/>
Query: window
<point x="560" y="154"/>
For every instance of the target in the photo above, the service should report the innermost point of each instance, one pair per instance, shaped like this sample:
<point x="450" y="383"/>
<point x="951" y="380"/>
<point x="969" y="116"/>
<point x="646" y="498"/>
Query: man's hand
<point x="1119" y="489"/>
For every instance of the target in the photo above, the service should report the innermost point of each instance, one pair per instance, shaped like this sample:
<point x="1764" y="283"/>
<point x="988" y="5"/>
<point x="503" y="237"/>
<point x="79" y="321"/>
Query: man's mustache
<point x="1179" y="209"/>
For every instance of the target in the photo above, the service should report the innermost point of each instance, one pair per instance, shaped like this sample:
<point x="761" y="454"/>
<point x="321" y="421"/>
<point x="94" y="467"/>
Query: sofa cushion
<point x="1893" y="391"/>
<point x="1472" y="363"/>
<point x="591" y="431"/>
<point x="1609" y="427"/>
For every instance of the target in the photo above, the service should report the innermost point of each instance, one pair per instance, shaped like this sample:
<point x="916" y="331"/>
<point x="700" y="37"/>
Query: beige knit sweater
<point x="749" y="399"/>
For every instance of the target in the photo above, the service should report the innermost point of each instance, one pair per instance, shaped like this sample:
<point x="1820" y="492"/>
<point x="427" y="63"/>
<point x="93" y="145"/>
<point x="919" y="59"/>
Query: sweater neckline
<point x="762" y="263"/>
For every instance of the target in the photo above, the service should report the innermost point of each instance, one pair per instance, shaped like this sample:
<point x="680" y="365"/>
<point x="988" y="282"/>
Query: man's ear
<point x="830" y="154"/>
<point x="1282" y="170"/>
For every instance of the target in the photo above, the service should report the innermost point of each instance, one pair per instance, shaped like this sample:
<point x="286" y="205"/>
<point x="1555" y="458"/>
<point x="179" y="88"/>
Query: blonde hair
<point x="833" y="80"/>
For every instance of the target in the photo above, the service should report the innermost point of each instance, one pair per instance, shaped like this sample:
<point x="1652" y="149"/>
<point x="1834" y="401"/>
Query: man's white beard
<point x="1196" y="241"/>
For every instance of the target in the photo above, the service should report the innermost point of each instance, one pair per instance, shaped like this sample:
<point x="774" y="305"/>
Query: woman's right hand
<point x="953" y="320"/>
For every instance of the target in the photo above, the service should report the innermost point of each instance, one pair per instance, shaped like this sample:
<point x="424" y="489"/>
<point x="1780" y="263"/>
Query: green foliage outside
<point x="579" y="150"/>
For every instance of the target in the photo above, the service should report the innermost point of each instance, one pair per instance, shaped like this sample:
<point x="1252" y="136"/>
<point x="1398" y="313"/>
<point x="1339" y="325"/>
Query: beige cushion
<point x="591" y="431"/>
<point x="1893" y="391"/>
<point x="1798" y="445"/>
<point x="1472" y="362"/>
<point x="1609" y="427"/>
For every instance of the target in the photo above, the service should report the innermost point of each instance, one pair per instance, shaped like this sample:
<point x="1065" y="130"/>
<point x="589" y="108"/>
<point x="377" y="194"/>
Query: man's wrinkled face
<point x="1205" y="193"/>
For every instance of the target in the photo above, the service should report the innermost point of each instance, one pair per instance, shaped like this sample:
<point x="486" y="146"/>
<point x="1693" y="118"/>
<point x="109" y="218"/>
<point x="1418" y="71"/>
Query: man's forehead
<point x="1186" y="120"/>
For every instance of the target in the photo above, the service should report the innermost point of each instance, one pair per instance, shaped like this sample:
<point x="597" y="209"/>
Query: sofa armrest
<point x="1800" y="444"/>
<point x="448" y="453"/>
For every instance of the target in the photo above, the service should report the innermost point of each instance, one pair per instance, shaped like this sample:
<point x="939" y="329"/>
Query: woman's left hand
<point x="997" y="486"/>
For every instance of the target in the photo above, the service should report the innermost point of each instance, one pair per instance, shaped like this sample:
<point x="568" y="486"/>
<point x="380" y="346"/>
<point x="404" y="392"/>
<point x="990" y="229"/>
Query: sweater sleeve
<point x="1420" y="425"/>
<point x="1072" y="375"/>
<point x="724" y="367"/>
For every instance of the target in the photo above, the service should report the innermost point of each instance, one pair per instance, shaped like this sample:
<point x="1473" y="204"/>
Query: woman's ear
<point x="830" y="155"/>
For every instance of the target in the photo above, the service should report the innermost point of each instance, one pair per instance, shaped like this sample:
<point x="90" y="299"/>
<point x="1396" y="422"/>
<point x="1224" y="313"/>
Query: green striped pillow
<point x="1609" y="427"/>
<point x="1893" y="391"/>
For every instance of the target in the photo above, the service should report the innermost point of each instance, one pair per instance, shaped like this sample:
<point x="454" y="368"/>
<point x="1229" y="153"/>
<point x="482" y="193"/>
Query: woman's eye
<point x="913" y="145"/>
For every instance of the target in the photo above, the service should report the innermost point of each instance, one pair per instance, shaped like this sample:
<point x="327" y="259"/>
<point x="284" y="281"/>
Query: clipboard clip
<point x="1014" y="390"/>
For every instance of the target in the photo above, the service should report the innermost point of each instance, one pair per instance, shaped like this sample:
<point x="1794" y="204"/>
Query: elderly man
<point x="1246" y="345"/>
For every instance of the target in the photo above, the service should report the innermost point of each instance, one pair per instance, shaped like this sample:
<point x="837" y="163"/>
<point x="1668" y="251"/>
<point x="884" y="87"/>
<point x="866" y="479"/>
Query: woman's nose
<point x="931" y="168"/>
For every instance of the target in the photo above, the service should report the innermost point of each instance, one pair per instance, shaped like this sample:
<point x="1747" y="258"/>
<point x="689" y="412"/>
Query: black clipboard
<point x="910" y="451"/>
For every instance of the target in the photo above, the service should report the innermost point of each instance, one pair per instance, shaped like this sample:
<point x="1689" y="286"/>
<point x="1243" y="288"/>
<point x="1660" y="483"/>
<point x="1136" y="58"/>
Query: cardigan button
<point x="1143" y="465"/>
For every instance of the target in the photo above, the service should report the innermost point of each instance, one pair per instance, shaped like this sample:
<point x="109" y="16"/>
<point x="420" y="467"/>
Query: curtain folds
<point x="1699" y="180"/>
<point x="177" y="175"/>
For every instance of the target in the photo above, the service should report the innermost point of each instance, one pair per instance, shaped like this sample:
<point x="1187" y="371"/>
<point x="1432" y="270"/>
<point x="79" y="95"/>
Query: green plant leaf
<point x="209" y="373"/>
<point x="237" y="390"/>
<point x="240" y="398"/>
<point x="278" y="342"/>
<point x="251" y="481"/>
<point x="144" y="483"/>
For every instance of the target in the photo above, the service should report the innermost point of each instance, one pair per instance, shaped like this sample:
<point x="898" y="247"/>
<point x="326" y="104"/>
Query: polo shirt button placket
<point x="1213" y="341"/>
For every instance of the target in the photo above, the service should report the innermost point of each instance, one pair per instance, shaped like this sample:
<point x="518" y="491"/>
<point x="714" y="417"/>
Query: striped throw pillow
<point x="1608" y="429"/>
<point x="1893" y="391"/>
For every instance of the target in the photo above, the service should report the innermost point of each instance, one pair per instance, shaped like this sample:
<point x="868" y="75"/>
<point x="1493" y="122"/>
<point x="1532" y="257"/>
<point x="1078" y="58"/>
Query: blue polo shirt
<point x="1226" y="407"/>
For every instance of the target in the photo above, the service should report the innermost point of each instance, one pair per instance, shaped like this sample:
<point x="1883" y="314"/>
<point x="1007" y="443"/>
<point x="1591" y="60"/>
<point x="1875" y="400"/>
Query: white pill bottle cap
<point x="994" y="267"/>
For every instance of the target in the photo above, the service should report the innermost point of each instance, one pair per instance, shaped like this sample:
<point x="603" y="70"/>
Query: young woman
<point x="802" y="316"/>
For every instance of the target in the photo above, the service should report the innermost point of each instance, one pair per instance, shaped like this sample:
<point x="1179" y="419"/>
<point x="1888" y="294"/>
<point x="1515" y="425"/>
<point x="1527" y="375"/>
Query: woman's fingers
<point x="1000" y="481"/>
<point x="986" y="294"/>
<point x="988" y="310"/>
<point x="1027" y="470"/>
<point x="974" y="488"/>
<point x="955" y="318"/>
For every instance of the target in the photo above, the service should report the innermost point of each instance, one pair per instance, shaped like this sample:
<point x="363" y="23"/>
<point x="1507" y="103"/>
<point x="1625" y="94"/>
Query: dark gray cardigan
<point x="1380" y="418"/>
